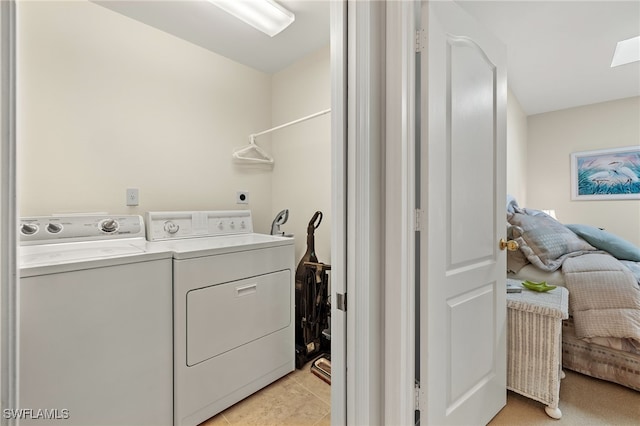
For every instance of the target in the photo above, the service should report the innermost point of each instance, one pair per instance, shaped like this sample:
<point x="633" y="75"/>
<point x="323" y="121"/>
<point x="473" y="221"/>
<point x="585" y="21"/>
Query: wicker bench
<point x="534" y="355"/>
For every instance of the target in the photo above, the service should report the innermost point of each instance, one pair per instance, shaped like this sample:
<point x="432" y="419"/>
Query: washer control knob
<point x="28" y="228"/>
<point x="243" y="225"/>
<point x="54" y="228"/>
<point x="171" y="227"/>
<point x="220" y="225"/>
<point x="232" y="225"/>
<point x="109" y="226"/>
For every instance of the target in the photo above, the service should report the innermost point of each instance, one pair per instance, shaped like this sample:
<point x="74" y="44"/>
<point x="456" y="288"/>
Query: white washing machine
<point x="233" y="293"/>
<point x="95" y="333"/>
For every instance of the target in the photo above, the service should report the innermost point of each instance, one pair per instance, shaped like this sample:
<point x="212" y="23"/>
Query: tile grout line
<point x="322" y="418"/>
<point x="310" y="391"/>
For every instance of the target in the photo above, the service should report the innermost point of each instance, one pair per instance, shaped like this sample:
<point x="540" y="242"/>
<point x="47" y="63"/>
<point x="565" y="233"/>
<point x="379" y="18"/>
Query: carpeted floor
<point x="583" y="401"/>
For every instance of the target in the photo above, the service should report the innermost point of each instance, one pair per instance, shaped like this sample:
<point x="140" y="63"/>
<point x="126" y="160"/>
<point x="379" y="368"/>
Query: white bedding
<point x="531" y="273"/>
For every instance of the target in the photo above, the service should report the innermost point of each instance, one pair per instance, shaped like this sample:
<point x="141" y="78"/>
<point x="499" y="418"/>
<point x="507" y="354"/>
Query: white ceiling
<point x="208" y="26"/>
<point x="559" y="52"/>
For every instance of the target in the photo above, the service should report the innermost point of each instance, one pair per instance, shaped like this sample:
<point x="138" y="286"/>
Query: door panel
<point x="470" y="88"/>
<point x="470" y="313"/>
<point x="462" y="280"/>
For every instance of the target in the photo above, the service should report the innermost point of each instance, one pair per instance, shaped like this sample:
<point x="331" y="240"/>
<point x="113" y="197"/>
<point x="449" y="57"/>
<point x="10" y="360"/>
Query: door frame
<point x="365" y="33"/>
<point x="374" y="65"/>
<point x="8" y="211"/>
<point x="402" y="222"/>
<point x="338" y="64"/>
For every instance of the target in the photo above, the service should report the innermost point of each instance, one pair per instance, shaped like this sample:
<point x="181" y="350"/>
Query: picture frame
<point x="606" y="174"/>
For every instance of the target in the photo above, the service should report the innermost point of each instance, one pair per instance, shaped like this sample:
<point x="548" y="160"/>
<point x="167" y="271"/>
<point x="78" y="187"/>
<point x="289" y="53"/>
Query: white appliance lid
<point x="44" y="259"/>
<point x="198" y="247"/>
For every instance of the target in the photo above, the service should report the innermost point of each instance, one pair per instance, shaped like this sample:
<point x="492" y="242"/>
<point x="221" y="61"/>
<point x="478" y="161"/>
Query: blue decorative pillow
<point x="619" y="248"/>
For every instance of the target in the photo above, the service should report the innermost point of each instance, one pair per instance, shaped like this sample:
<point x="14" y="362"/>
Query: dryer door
<point x="223" y="317"/>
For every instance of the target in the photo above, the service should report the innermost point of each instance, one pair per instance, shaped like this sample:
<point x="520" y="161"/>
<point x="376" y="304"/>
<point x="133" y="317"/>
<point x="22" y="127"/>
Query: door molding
<point x="400" y="202"/>
<point x="8" y="213"/>
<point x="380" y="201"/>
<point x="365" y="204"/>
<point x="338" y="28"/>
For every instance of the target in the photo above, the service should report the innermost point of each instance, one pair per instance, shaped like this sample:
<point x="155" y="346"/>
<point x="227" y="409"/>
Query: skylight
<point x="627" y="51"/>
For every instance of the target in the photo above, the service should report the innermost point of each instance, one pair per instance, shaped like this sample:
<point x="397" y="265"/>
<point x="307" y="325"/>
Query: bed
<point x="601" y="338"/>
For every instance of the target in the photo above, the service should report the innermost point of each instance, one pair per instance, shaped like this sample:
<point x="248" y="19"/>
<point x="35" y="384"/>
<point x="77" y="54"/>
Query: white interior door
<point x="462" y="270"/>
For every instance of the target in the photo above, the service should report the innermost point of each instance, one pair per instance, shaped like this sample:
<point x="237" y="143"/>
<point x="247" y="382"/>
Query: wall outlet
<point x="132" y="197"/>
<point x="242" y="197"/>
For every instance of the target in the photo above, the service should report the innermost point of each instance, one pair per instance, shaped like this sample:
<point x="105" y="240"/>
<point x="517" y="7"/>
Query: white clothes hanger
<point x="252" y="153"/>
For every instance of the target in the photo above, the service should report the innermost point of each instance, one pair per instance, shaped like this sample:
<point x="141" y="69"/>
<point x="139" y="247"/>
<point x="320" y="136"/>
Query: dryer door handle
<point x="246" y="290"/>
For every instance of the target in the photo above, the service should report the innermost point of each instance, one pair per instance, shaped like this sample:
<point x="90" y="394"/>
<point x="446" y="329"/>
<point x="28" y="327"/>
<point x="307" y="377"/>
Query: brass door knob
<point x="510" y="245"/>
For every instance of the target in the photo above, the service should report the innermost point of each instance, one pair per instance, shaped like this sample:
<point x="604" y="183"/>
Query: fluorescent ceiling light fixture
<point x="627" y="51"/>
<point x="264" y="15"/>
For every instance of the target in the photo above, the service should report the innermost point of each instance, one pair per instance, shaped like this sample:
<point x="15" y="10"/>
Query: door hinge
<point x="417" y="216"/>
<point x="416" y="396"/>
<point x="420" y="40"/>
<point x="341" y="301"/>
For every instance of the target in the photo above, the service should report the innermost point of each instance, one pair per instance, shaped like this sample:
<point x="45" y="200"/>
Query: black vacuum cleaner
<point x="312" y="308"/>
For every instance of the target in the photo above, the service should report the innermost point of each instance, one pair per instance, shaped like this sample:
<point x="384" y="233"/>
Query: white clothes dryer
<point x="233" y="293"/>
<point x="95" y="334"/>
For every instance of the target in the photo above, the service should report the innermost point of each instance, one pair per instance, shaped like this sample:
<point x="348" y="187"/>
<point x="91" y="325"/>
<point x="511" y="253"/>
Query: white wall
<point x="553" y="136"/>
<point x="302" y="172"/>
<point x="516" y="150"/>
<point x="107" y="103"/>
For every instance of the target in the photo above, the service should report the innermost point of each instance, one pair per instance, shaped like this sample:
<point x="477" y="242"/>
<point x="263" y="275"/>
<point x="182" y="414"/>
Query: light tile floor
<point x="299" y="398"/>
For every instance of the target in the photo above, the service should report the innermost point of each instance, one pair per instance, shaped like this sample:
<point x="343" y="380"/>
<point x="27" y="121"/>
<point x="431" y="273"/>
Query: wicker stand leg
<point x="554" y="413"/>
<point x="551" y="410"/>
